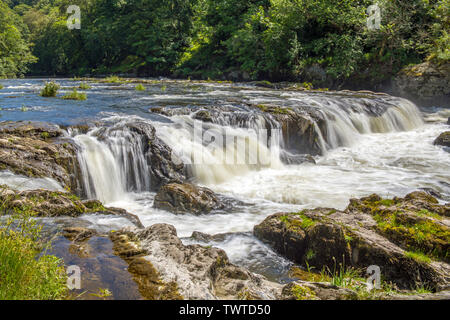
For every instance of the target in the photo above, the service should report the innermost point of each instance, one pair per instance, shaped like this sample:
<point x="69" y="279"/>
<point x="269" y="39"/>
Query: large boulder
<point x="187" y="198"/>
<point x="407" y="237"/>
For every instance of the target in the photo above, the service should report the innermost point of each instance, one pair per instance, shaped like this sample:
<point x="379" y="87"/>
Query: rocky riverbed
<point x="122" y="194"/>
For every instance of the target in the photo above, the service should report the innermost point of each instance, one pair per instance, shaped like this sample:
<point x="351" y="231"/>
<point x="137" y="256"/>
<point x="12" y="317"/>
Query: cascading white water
<point x="216" y="153"/>
<point x="102" y="177"/>
<point x="113" y="165"/>
<point x="345" y="125"/>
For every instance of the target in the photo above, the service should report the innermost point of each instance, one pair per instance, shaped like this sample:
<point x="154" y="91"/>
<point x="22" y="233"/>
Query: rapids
<point x="382" y="145"/>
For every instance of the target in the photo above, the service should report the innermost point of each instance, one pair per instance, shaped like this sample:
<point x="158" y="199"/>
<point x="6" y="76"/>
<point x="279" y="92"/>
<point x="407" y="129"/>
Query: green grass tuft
<point x="26" y="272"/>
<point x="75" y="95"/>
<point x="139" y="87"/>
<point x="84" y="86"/>
<point x="418" y="256"/>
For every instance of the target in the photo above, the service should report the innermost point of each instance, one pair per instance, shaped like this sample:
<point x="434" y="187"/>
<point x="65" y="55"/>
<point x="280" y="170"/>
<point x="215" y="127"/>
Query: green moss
<point x="421" y="235"/>
<point x="297" y="221"/>
<point x="303" y="293"/>
<point x="45" y="135"/>
<point x="418" y="256"/>
<point x="310" y="254"/>
<point x="425" y="212"/>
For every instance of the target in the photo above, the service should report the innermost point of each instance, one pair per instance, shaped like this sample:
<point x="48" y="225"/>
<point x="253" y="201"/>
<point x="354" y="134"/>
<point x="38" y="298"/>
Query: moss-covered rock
<point x="416" y="223"/>
<point x="390" y="233"/>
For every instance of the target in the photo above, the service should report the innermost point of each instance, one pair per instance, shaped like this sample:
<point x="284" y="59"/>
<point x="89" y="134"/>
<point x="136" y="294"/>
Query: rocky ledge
<point x="426" y="83"/>
<point x="186" y="271"/>
<point x="408" y="238"/>
<point x="37" y="149"/>
<point x="45" y="203"/>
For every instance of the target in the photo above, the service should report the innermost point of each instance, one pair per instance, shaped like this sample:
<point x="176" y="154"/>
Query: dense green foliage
<point x="15" y="53"/>
<point x="324" y="42"/>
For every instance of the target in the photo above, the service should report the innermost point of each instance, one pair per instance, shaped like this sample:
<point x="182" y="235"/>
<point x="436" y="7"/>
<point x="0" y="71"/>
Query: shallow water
<point x="390" y="158"/>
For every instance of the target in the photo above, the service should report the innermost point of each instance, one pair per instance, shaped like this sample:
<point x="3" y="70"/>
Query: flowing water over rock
<point x="253" y="144"/>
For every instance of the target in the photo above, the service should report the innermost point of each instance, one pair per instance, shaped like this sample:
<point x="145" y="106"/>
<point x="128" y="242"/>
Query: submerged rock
<point x="198" y="272"/>
<point x="407" y="237"/>
<point x="187" y="198"/>
<point x="443" y="139"/>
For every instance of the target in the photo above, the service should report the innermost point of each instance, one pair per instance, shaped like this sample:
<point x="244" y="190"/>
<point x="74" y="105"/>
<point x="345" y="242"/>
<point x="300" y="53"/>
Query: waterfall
<point x="113" y="163"/>
<point x="346" y="121"/>
<point x="215" y="153"/>
<point x="114" y="159"/>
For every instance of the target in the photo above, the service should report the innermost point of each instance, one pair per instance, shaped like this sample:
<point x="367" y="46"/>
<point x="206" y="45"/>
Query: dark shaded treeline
<point x="325" y="42"/>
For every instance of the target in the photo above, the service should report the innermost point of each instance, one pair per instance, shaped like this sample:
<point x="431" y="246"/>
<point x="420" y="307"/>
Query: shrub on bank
<point x="25" y="273"/>
<point x="50" y="89"/>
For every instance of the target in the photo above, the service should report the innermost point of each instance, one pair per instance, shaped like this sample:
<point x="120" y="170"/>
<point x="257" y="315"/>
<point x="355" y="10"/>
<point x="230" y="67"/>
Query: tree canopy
<point x="325" y="41"/>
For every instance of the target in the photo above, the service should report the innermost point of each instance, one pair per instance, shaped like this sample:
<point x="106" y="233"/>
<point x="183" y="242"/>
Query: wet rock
<point x="426" y="83"/>
<point x="163" y="167"/>
<point x="187" y="198"/>
<point x="79" y="238"/>
<point x="36" y="149"/>
<point x="150" y="283"/>
<point x="203" y="115"/>
<point x="199" y="272"/>
<point x="443" y="139"/>
<point x="365" y="235"/>
<point x="289" y="158"/>
<point x="78" y="234"/>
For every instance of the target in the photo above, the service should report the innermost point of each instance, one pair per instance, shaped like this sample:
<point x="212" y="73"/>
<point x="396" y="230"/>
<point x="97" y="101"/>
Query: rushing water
<point x="390" y="154"/>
